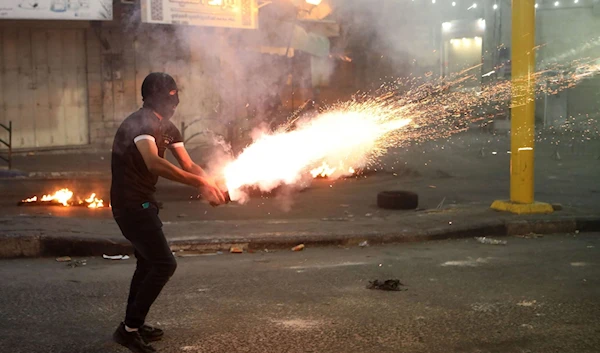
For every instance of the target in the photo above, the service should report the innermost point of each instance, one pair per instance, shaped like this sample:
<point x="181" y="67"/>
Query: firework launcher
<point x="227" y="199"/>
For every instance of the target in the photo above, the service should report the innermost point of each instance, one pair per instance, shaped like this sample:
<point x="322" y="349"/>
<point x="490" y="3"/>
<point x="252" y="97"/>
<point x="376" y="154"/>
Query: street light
<point x="495" y="6"/>
<point x="556" y="4"/>
<point x="446" y="26"/>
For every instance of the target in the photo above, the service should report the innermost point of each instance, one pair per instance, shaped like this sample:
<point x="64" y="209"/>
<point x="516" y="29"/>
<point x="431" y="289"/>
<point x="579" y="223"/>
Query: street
<point x="451" y="170"/>
<point x="537" y="294"/>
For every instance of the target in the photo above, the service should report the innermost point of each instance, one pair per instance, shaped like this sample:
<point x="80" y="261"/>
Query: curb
<point x="53" y="175"/>
<point x="50" y="246"/>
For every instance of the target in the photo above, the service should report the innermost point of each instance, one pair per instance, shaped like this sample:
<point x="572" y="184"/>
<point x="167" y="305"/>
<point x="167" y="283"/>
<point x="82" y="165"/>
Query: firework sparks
<point x="346" y="136"/>
<point x="354" y="134"/>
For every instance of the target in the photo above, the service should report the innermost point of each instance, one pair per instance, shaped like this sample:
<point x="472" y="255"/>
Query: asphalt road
<point x="532" y="295"/>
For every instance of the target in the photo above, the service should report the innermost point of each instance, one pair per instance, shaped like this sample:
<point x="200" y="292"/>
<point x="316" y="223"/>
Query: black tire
<point x="397" y="200"/>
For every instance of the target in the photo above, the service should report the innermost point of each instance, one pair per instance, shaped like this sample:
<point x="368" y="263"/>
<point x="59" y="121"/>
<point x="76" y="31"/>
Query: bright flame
<point x="347" y="137"/>
<point x="94" y="202"/>
<point x="65" y="197"/>
<point x="355" y="133"/>
<point x="323" y="170"/>
<point x="62" y="196"/>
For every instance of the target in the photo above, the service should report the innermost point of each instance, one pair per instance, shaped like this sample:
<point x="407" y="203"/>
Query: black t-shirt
<point x="132" y="182"/>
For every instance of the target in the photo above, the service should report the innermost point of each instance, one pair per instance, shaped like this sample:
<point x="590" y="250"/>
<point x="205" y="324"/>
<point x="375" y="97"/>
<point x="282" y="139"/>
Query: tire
<point x="397" y="200"/>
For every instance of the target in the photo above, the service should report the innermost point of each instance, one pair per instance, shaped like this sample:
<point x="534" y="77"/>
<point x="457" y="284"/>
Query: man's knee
<point x="168" y="266"/>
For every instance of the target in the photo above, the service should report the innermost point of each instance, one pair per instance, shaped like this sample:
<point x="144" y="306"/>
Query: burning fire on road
<point x="63" y="197"/>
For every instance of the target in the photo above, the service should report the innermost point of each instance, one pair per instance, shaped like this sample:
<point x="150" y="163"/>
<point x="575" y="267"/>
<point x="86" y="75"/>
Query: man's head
<point x="159" y="92"/>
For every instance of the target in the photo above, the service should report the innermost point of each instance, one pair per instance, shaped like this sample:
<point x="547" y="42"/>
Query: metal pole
<point x="522" y="129"/>
<point x="10" y="145"/>
<point x="523" y="102"/>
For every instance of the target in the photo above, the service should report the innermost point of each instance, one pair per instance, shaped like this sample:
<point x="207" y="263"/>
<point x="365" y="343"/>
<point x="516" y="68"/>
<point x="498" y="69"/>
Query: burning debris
<point x="63" y="197"/>
<point x="325" y="171"/>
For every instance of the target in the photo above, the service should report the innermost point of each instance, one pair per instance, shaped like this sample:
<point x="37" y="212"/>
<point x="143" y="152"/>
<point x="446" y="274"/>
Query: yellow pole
<point x="522" y="113"/>
<point x="523" y="103"/>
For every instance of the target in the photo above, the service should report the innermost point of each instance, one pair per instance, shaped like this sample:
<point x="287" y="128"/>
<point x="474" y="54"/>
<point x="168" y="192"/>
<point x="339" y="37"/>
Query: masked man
<point x="137" y="162"/>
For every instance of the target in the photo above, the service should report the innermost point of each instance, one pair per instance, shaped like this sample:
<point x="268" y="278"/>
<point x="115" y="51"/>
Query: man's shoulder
<point x="142" y="121"/>
<point x="140" y="116"/>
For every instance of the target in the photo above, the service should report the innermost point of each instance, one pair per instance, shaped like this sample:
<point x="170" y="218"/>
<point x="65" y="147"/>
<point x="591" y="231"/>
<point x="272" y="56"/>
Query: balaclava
<point x="156" y="94"/>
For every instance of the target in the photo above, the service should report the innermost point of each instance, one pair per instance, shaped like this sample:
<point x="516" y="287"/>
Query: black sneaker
<point x="131" y="340"/>
<point x="150" y="334"/>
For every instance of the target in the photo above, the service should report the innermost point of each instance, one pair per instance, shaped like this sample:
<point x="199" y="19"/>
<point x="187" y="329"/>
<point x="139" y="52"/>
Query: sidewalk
<point x="33" y="236"/>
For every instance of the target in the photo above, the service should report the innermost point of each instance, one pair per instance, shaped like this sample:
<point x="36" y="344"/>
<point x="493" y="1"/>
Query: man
<point x="137" y="162"/>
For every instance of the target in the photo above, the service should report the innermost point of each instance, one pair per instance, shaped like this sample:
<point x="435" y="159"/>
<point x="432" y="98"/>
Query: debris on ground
<point x="335" y="219"/>
<point x="531" y="236"/>
<point x="63" y="259"/>
<point x="486" y="240"/>
<point x="527" y="303"/>
<point x="363" y="244"/>
<point x="236" y="250"/>
<point x="190" y="253"/>
<point x="368" y="214"/>
<point x="182" y="215"/>
<point x="389" y="285"/>
<point x="115" y="257"/>
<point x="299" y="247"/>
<point x="76" y="263"/>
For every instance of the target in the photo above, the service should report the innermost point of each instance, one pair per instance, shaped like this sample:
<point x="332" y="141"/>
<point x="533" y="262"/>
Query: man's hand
<point x="211" y="192"/>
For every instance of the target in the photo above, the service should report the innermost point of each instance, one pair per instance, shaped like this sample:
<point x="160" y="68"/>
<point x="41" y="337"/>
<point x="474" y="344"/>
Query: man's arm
<point x="165" y="169"/>
<point x="162" y="167"/>
<point x="186" y="162"/>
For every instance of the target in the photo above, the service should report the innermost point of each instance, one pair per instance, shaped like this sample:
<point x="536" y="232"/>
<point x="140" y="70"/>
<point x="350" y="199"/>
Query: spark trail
<point x="354" y="134"/>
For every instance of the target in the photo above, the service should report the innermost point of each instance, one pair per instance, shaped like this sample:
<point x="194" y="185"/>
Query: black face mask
<point x="156" y="93"/>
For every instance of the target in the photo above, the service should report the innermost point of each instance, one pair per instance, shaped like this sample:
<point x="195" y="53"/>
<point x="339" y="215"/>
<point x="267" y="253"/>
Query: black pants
<point x="155" y="261"/>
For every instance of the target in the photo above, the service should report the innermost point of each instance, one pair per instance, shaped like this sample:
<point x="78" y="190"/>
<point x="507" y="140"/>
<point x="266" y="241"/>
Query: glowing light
<point x="433" y="1"/>
<point x="536" y="6"/>
<point x="94" y="202"/>
<point x="61" y="196"/>
<point x="557" y="4"/>
<point x="474" y="6"/>
<point x="453" y="3"/>
<point x="495" y="7"/>
<point x="347" y="136"/>
<point x="481" y="23"/>
<point x="576" y="1"/>
<point x="65" y="198"/>
<point x="478" y="40"/>
<point x="314" y="2"/>
<point x="446" y="26"/>
<point x="356" y="133"/>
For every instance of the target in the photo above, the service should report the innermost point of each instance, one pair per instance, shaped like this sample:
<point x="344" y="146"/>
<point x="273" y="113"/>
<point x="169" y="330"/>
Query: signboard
<point x="210" y="13"/>
<point x="57" y="9"/>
